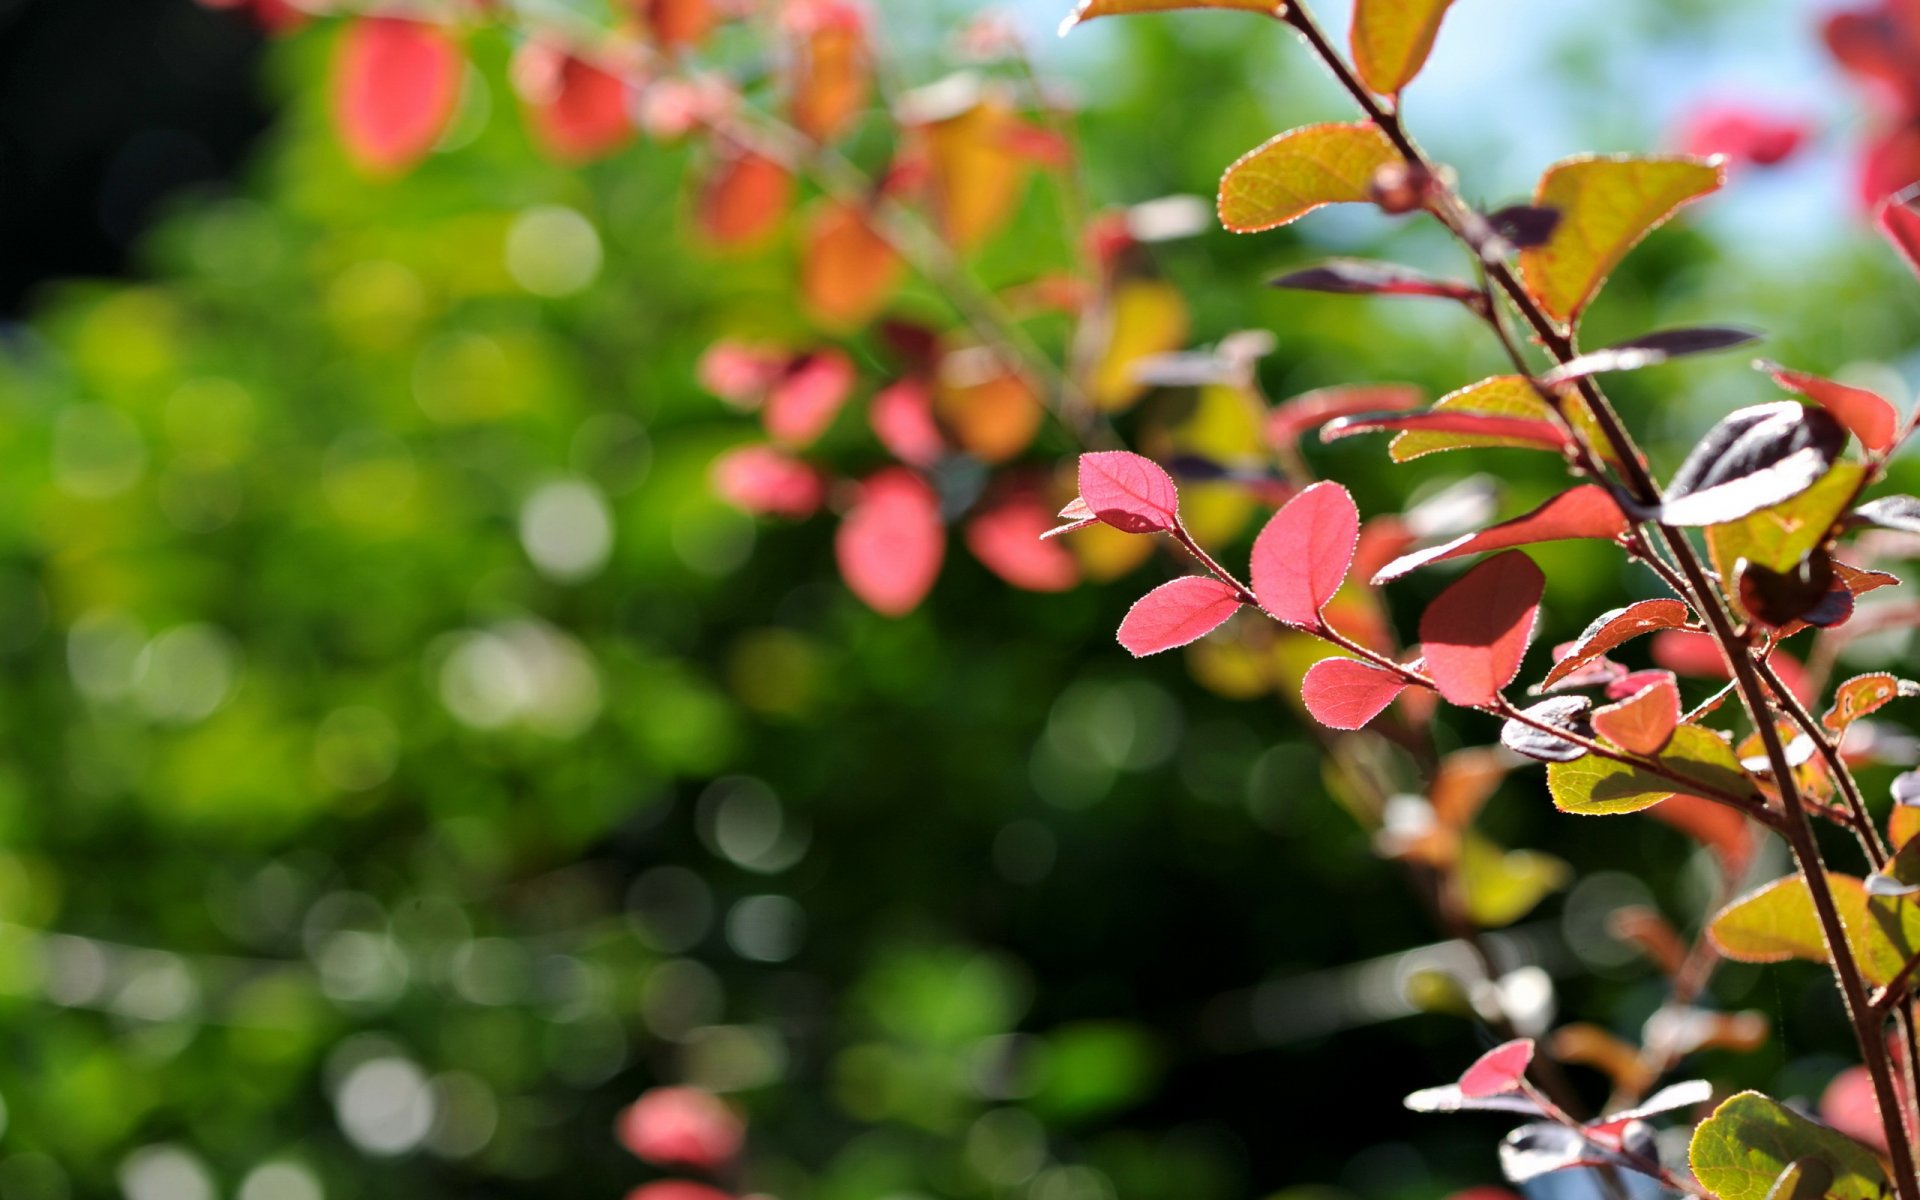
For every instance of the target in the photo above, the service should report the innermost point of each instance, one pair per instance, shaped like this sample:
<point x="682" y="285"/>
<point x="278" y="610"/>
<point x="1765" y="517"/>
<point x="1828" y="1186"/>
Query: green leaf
<point x="1501" y="396"/>
<point x="1089" y="9"/>
<point x="1606" y="205"/>
<point x="1501" y="886"/>
<point x="1778" y="922"/>
<point x="1777" y="538"/>
<point x="1297" y="172"/>
<point x="1751" y="1140"/>
<point x="1595" y="786"/>
<point x="1392" y="38"/>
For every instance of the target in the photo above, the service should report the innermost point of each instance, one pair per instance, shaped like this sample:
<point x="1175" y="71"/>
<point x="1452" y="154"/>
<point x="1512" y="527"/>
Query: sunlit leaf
<point x="1587" y="511"/>
<point x="891" y="542"/>
<point x="1753" y="458"/>
<point x="1501" y="886"/>
<point x="1606" y="205"/>
<point x="804" y="401"/>
<point x="768" y="482"/>
<point x="1475" y="633"/>
<point x="901" y="415"/>
<point x="1143" y="318"/>
<point x="1498" y="1070"/>
<point x="396" y="83"/>
<point x="848" y="271"/>
<point x="676" y="24"/>
<point x="976" y="174"/>
<point x="1898" y="513"/>
<point x="1455" y="429"/>
<point x="1866" y="414"/>
<point x="1570" y="713"/>
<point x="992" y="412"/>
<point x="1596" y="786"/>
<point x="1005" y="534"/>
<point x="1773" y="924"/>
<point x="1861" y="696"/>
<point x="1779" y="536"/>
<point x="1643" y="723"/>
<point x="1345" y="693"/>
<point x="1615" y="628"/>
<point x="1741" y="1151"/>
<point x="1310" y="410"/>
<point x="1297" y="172"/>
<point x="1089" y="9"/>
<point x="1128" y="492"/>
<point x="578" y="111"/>
<point x="1302" y="555"/>
<point x="1391" y="40"/>
<point x="1175" y="613"/>
<point x="1503" y="396"/>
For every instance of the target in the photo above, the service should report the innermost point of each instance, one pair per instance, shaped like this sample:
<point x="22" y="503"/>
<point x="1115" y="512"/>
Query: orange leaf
<point x="830" y="68"/>
<point x="1644" y="722"/>
<point x="1392" y="38"/>
<point x="1297" y="172"/>
<point x="395" y="85"/>
<point x="992" y="412"/>
<point x="848" y="271"/>
<point x="745" y="195"/>
<point x="975" y="174"/>
<point x="1606" y="206"/>
<point x="678" y="23"/>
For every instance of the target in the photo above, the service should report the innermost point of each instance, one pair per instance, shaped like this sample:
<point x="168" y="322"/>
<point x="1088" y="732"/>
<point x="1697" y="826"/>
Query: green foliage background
<point x="305" y="765"/>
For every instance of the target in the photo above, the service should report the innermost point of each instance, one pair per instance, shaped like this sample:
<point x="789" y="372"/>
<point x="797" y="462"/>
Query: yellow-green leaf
<point x="1778" y="922"/>
<point x="1596" y="786"/>
<point x="1089" y="9"/>
<point x="1606" y="205"/>
<point x="1501" y="886"/>
<point x="1392" y="38"/>
<point x="1501" y="396"/>
<point x="1778" y="538"/>
<point x="1747" y="1143"/>
<point x="1297" y="172"/>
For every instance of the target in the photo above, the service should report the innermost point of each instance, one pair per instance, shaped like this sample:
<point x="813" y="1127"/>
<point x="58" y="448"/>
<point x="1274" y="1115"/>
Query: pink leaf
<point x="1176" y="613"/>
<point x="1475" y="633"/>
<point x="902" y="418"/>
<point x="1291" y="418"/>
<point x="764" y="481"/>
<point x="1644" y="722"/>
<point x="1899" y="219"/>
<point x="891" y="542"/>
<point x="1345" y="693"/>
<point x="395" y="85"/>
<point x="1866" y="414"/>
<point x="1301" y="558"/>
<point x="740" y="373"/>
<point x="1743" y="134"/>
<point x="1498" y="1070"/>
<point x="681" y="1127"/>
<point x="1586" y="511"/>
<point x="1128" y="492"/>
<point x="807" y="398"/>
<point x="1613" y="628"/>
<point x="1006" y="535"/>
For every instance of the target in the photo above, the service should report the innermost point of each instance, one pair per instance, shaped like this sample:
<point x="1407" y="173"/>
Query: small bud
<point x="1400" y="187"/>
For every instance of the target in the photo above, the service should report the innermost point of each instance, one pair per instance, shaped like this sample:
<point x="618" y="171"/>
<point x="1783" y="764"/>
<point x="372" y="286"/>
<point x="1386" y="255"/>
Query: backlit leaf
<point x="1291" y="418"/>
<point x="767" y="482"/>
<point x="1302" y="555"/>
<point x="977" y="176"/>
<point x="1899" y="218"/>
<point x="1357" y="277"/>
<point x="1606" y="205"/>
<point x="1505" y="396"/>
<point x="1587" y="511"/>
<point x="395" y="85"/>
<point x="1501" y="886"/>
<point x="1616" y="628"/>
<point x="848" y="271"/>
<point x="1391" y="40"/>
<point x="1297" y="172"/>
<point x="1596" y="786"/>
<point x="1498" y="1070"/>
<point x="1866" y="415"/>
<point x="1345" y="693"/>
<point x="1858" y="697"/>
<point x="804" y="401"/>
<point x="679" y="23"/>
<point x="1006" y="534"/>
<point x="1475" y="633"/>
<point x="1900" y="513"/>
<point x="1176" y="613"/>
<point x="1643" y="723"/>
<point x="1089" y="9"/>
<point x="1741" y="1151"/>
<point x="1753" y="458"/>
<point x="1780" y="535"/>
<point x="992" y="412"/>
<point x="1649" y="350"/>
<point x="891" y="542"/>
<point x="1773" y="924"/>
<point x="1128" y="492"/>
<point x="1454" y="429"/>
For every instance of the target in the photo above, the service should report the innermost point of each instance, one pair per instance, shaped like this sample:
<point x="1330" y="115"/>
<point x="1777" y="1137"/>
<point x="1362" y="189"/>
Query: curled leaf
<point x="1587" y="511"/>
<point x="1459" y="428"/>
<point x="1291" y="418"/>
<point x="1616" y="628"/>
<point x="1866" y="414"/>
<point x="1755" y="457"/>
<point x="1504" y="396"/>
<point x="1649" y="350"/>
<point x="1498" y="1070"/>
<point x="1357" y="277"/>
<point x="1898" y="513"/>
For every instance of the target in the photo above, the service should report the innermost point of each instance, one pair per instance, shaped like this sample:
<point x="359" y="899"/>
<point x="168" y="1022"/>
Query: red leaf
<point x="762" y="480"/>
<point x="902" y="418"/>
<point x="1498" y="1070"/>
<point x="1291" y="418"/>
<point x="1345" y="693"/>
<point x="1868" y="416"/>
<point x="1176" y="613"/>
<point x="1586" y="511"/>
<point x="578" y="111"/>
<point x="891" y="543"/>
<point x="1128" y="492"/>
<point x="677" y="1189"/>
<point x="1642" y="723"/>
<point x="1301" y="558"/>
<point x="1899" y="219"/>
<point x="1006" y="536"/>
<point x="804" y="402"/>
<point x="395" y="85"/>
<point x="681" y="1127"/>
<point x="743" y="199"/>
<point x="1616" y="628"/>
<point x="1475" y="633"/>
<point x="1525" y="429"/>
